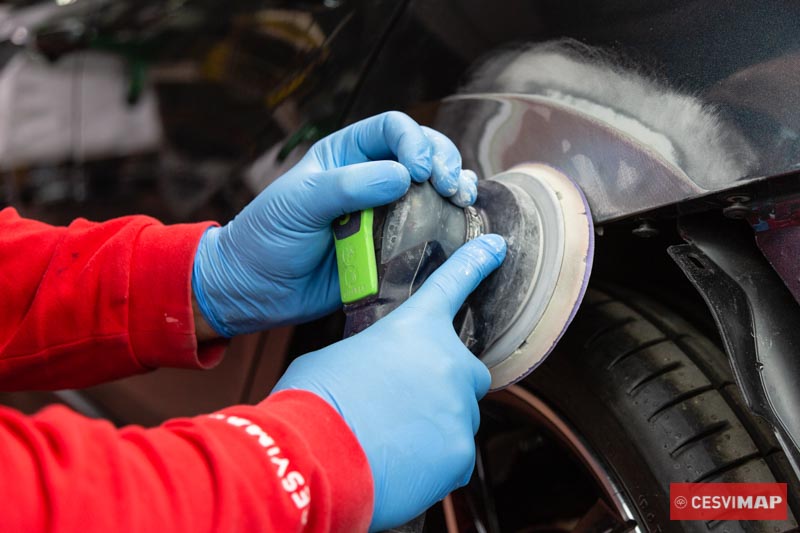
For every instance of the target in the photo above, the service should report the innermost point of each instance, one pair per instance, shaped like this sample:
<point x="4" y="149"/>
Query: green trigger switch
<point x="355" y="256"/>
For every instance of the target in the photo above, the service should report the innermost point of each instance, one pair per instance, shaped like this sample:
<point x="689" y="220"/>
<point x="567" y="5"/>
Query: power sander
<point x="517" y="315"/>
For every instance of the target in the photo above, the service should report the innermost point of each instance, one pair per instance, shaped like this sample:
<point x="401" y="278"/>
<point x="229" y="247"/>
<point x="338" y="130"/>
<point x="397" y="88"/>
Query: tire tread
<point x="672" y="385"/>
<point x="719" y="427"/>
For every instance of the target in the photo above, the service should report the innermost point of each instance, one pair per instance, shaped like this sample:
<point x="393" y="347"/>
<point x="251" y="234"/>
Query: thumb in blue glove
<point x="409" y="389"/>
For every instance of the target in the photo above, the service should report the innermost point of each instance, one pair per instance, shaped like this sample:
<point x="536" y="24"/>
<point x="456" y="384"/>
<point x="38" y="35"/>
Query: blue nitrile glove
<point x="274" y="263"/>
<point x="409" y="389"/>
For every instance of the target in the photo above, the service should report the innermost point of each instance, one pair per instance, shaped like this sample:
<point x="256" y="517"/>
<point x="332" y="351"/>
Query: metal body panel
<point x="739" y="58"/>
<point x="619" y="176"/>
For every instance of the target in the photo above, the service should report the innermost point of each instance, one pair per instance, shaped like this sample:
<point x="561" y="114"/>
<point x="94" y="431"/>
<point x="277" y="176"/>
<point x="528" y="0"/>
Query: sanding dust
<point x="680" y="127"/>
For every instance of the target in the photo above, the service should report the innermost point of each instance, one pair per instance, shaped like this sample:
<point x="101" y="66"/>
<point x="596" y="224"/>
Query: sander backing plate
<point x="550" y="240"/>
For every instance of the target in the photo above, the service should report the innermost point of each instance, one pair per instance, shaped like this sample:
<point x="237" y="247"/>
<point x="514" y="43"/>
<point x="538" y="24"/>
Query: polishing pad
<point x="519" y="313"/>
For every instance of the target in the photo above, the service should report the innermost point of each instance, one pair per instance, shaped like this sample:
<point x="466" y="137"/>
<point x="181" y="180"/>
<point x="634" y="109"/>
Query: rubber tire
<point x="657" y="401"/>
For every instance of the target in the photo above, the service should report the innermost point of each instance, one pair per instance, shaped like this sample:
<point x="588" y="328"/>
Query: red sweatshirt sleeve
<point x="288" y="464"/>
<point x="93" y="302"/>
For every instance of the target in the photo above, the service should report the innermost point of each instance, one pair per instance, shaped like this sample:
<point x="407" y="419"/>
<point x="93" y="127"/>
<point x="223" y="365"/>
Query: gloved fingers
<point x="468" y="176"/>
<point x="447" y="176"/>
<point x="467" y="189"/>
<point x="386" y="136"/>
<point x="446" y="164"/>
<point x="333" y="193"/>
<point x="446" y="289"/>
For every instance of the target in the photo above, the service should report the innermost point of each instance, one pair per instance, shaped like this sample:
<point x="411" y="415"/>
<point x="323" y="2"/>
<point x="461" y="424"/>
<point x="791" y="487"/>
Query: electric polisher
<point x="518" y="314"/>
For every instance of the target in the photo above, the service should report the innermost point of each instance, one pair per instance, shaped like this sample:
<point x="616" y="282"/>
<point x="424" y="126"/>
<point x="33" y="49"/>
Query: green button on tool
<point x="355" y="256"/>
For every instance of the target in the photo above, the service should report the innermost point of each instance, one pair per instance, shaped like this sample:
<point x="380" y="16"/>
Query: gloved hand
<point x="409" y="389"/>
<point x="274" y="263"/>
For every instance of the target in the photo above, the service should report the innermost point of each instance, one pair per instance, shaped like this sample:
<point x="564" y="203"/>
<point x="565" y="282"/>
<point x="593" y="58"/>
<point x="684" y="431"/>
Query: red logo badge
<point x="728" y="501"/>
